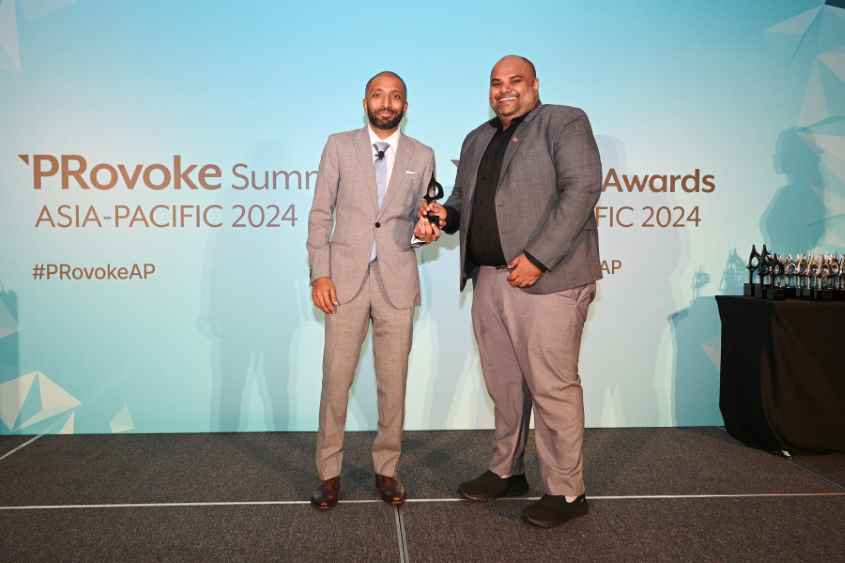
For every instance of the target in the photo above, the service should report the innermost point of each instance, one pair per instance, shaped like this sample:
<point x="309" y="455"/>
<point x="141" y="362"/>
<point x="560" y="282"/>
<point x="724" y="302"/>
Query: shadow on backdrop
<point x="629" y="386"/>
<point x="248" y="309"/>
<point x="696" y="332"/>
<point x="793" y="223"/>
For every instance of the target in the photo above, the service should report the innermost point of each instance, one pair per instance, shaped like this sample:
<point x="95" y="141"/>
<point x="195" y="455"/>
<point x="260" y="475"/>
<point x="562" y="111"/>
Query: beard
<point x="380" y="123"/>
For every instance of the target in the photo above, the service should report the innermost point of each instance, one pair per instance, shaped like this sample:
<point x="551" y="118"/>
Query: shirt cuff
<point x="536" y="262"/>
<point x="453" y="220"/>
<point x="416" y="243"/>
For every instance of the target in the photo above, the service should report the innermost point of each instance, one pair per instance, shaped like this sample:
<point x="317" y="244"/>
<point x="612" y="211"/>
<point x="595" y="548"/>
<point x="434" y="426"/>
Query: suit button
<point x="378" y="224"/>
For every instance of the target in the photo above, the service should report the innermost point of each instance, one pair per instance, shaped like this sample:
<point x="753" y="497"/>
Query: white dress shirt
<point x="390" y="154"/>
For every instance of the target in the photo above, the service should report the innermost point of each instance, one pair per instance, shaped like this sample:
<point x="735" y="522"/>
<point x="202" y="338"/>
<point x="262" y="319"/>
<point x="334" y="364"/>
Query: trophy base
<point x="774" y="293"/>
<point x="826" y="295"/>
<point x="806" y="293"/>
<point x="749" y="289"/>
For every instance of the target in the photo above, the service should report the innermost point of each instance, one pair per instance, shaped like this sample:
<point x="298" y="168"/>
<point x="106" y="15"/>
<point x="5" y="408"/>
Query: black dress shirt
<point x="484" y="246"/>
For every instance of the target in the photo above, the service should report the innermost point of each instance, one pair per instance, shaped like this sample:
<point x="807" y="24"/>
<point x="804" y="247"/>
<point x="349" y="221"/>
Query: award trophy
<point x="433" y="193"/>
<point x="825" y="291"/>
<point x="789" y="284"/>
<point x="802" y="274"/>
<point x="836" y="274"/>
<point x="773" y="290"/>
<point x="753" y="267"/>
<point x="763" y="273"/>
<point x="813" y="266"/>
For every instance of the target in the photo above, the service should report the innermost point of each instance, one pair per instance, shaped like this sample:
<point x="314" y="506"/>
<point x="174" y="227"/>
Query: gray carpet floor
<point x="54" y="489"/>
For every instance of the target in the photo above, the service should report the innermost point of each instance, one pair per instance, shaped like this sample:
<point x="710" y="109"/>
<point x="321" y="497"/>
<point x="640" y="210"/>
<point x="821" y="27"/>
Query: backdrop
<point x="158" y="161"/>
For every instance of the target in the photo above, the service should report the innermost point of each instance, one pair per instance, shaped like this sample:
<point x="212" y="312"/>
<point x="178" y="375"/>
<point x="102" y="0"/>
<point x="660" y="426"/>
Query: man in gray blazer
<point x="363" y="268"/>
<point x="523" y="200"/>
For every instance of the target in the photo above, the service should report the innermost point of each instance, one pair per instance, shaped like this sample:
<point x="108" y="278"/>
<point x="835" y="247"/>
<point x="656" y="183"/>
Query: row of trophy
<point x="817" y="276"/>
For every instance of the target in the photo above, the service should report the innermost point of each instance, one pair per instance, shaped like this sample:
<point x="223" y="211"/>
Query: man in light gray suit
<point x="523" y="201"/>
<point x="363" y="268"/>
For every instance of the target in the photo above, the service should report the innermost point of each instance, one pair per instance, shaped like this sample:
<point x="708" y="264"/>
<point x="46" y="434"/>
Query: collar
<point x="393" y="140"/>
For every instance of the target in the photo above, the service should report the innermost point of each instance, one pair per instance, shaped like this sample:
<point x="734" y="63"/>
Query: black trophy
<point x="802" y="272"/>
<point x="764" y="265"/>
<point x="774" y="290"/>
<point x="839" y="278"/>
<point x="826" y="291"/>
<point x="753" y="266"/>
<point x="433" y="193"/>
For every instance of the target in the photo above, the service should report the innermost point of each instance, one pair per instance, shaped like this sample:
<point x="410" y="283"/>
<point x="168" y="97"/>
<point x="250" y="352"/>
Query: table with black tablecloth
<point x="782" y="382"/>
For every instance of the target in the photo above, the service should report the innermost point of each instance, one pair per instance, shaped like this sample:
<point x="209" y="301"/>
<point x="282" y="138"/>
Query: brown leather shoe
<point x="390" y="489"/>
<point x="325" y="496"/>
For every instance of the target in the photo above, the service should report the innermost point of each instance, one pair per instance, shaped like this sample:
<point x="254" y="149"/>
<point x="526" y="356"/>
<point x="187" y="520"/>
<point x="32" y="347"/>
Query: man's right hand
<point x="435" y="208"/>
<point x="324" y="295"/>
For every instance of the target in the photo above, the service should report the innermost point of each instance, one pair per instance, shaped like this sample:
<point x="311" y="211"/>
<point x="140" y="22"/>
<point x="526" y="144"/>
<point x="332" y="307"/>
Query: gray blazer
<point x="345" y="217"/>
<point x="550" y="182"/>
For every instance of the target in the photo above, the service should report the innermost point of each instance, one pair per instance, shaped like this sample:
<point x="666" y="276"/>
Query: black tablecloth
<point x="783" y="373"/>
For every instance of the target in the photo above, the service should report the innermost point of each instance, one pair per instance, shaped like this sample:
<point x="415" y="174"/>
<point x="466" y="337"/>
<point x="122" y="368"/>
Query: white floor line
<point x="21" y="446"/>
<point x="400" y="534"/>
<point x="422" y="500"/>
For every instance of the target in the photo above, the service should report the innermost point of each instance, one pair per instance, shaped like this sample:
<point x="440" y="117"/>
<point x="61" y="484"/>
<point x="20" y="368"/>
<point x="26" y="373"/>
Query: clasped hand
<point x="425" y="230"/>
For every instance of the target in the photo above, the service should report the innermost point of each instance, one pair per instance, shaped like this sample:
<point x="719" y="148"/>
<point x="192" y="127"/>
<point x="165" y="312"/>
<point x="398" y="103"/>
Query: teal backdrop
<point x="743" y="102"/>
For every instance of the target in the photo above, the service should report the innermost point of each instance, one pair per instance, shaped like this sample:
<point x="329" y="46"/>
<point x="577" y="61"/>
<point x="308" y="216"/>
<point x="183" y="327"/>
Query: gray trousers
<point x="345" y="333"/>
<point x="529" y="346"/>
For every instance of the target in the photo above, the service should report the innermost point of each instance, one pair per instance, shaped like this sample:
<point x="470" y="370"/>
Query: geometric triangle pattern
<point x="833" y="150"/>
<point x="835" y="62"/>
<point x="814" y="107"/>
<point x="68" y="426"/>
<point x="31" y="405"/>
<point x="13" y="394"/>
<point x="833" y="87"/>
<point x="122" y="421"/>
<point x="713" y="350"/>
<point x="54" y="401"/>
<point x="10" y="57"/>
<point x="8" y="321"/>
<point x="33" y="398"/>
<point x="797" y="25"/>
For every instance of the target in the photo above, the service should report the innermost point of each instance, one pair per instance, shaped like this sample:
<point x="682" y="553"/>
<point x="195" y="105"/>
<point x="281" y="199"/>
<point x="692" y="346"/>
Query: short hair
<point x="389" y="73"/>
<point x="523" y="59"/>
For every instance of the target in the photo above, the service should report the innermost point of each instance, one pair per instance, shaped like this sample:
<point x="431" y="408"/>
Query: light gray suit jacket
<point x="549" y="184"/>
<point x="345" y="218"/>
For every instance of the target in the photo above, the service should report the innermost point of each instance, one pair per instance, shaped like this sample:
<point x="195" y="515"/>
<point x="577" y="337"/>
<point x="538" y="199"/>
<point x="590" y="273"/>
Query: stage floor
<point x="656" y="494"/>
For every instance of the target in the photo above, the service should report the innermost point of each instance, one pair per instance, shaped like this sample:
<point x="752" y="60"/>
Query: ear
<point x="537" y="85"/>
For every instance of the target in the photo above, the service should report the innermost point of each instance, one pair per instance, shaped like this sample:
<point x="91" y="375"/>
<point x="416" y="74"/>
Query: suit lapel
<point x="510" y="151"/>
<point x="364" y="155"/>
<point x="516" y="142"/>
<point x="397" y="177"/>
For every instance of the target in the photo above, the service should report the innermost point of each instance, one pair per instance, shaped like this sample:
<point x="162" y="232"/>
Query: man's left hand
<point x="523" y="272"/>
<point x="426" y="231"/>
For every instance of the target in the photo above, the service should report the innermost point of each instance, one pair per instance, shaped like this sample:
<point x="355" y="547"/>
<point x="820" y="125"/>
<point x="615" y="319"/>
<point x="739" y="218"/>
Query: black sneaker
<point x="553" y="510"/>
<point x="490" y="486"/>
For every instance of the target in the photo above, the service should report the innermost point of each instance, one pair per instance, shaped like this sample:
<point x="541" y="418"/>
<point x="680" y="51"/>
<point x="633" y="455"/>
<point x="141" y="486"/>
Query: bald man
<point x="363" y="270"/>
<point x="523" y="201"/>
